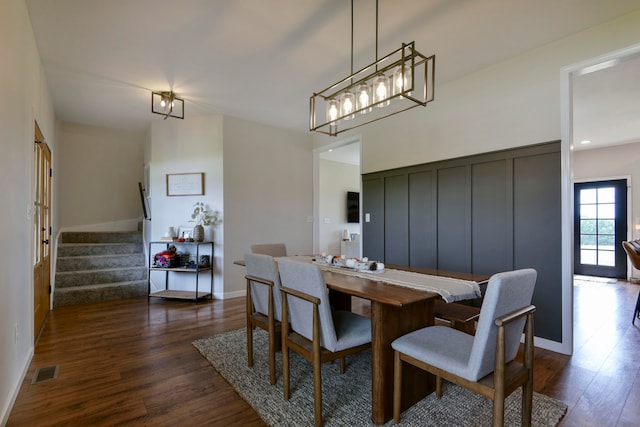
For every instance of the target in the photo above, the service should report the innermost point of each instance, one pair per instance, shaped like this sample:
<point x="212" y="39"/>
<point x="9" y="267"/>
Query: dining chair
<point x="273" y="249"/>
<point x="484" y="363"/>
<point x="264" y="305"/>
<point x="317" y="333"/>
<point x="632" y="248"/>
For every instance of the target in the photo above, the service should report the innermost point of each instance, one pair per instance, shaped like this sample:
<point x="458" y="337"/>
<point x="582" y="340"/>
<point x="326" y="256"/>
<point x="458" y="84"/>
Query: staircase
<point x="99" y="266"/>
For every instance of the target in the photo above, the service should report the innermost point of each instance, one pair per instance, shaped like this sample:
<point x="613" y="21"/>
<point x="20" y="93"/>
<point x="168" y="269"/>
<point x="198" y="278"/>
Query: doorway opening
<point x="337" y="172"/>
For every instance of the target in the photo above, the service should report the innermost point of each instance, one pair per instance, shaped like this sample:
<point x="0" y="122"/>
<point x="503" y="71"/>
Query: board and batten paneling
<point x="422" y="219"/>
<point x="537" y="230"/>
<point x="491" y="230"/>
<point x="373" y="219"/>
<point x="480" y="214"/>
<point x="453" y="219"/>
<point x="396" y="226"/>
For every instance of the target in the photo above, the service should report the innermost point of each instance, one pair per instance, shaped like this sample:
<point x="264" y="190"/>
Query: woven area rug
<point x="347" y="398"/>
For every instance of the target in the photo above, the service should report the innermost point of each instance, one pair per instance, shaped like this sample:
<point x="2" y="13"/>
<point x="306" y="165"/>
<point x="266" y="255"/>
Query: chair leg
<point x="498" y="409"/>
<point x="527" y="403"/>
<point x="342" y="368"/>
<point x="438" y="386"/>
<point x="317" y="390"/>
<point x="249" y="344"/>
<point x="272" y="357"/>
<point x="397" y="386"/>
<point x="285" y="370"/>
<point x="636" y="313"/>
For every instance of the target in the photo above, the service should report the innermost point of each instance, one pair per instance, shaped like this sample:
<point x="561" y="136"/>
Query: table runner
<point x="448" y="288"/>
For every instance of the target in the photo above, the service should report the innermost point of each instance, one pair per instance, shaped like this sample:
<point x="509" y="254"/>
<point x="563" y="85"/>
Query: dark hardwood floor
<point x="131" y="362"/>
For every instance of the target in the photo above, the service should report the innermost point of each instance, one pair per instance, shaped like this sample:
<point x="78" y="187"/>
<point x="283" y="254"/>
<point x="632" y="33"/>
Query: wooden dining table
<point x="395" y="311"/>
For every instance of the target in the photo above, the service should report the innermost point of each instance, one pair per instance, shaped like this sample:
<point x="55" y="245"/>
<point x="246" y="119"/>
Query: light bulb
<point x="364" y="99"/>
<point x="162" y="103"/>
<point x="401" y="81"/>
<point x="347" y="105"/>
<point x="332" y="110"/>
<point x="381" y="90"/>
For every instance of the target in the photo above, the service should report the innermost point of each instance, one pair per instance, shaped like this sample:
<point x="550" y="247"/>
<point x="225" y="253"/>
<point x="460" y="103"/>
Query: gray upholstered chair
<point x="264" y="305"/>
<point x="485" y="363"/>
<point x="273" y="249"/>
<point x="317" y="333"/>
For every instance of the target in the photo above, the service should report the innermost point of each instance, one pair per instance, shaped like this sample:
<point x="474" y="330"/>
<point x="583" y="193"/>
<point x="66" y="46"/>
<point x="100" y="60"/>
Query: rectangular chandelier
<point x="402" y="80"/>
<point x="167" y="104"/>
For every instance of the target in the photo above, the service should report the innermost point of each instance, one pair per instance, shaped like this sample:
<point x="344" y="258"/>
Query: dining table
<point x="395" y="311"/>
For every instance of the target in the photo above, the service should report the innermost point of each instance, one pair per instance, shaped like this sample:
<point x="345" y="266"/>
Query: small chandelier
<point x="401" y="80"/>
<point x="167" y="104"/>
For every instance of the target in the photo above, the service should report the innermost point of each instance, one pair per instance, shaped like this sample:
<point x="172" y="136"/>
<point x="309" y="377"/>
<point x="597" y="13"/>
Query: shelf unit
<point x="180" y="294"/>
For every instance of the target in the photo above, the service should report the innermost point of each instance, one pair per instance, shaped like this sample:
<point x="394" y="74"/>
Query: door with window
<point x="41" y="232"/>
<point x="600" y="226"/>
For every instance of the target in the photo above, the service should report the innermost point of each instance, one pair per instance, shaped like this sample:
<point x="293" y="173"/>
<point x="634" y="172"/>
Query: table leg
<point x="340" y="300"/>
<point x="387" y="324"/>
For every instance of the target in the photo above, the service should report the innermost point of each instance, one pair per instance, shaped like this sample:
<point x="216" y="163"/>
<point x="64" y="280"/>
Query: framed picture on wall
<point x="185" y="184"/>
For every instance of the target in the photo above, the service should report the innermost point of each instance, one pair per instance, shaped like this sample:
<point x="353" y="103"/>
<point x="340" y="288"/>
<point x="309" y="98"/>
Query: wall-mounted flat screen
<point x="353" y="206"/>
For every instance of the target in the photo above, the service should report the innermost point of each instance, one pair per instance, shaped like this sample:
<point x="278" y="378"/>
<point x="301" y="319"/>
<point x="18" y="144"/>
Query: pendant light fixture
<point x="399" y="81"/>
<point x="167" y="104"/>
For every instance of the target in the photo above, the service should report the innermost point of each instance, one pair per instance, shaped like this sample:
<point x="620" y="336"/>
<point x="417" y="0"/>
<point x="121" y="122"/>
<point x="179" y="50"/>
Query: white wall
<point x="613" y="162"/>
<point x="98" y="172"/>
<point x="25" y="89"/>
<point x="186" y="146"/>
<point x="335" y="180"/>
<point x="268" y="193"/>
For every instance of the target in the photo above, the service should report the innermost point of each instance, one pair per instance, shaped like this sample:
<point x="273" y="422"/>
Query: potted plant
<point x="202" y="216"/>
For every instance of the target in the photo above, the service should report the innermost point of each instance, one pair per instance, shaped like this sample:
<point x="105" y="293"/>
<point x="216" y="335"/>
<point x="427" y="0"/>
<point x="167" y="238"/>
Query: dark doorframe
<point x="600" y="226"/>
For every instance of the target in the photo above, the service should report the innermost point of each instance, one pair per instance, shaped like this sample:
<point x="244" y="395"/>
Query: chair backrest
<point x="506" y="292"/>
<point x="307" y="278"/>
<point x="264" y="267"/>
<point x="273" y="249"/>
<point x="632" y="248"/>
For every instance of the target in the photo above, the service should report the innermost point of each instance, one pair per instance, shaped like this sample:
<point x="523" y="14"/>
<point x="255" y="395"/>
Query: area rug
<point x="346" y="398"/>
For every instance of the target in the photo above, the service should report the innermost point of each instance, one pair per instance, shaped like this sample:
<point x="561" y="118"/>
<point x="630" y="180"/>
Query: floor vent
<point x="45" y="374"/>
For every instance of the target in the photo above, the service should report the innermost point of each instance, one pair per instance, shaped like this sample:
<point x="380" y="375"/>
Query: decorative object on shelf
<point x="397" y="82"/>
<point x="167" y="104"/>
<point x="166" y="259"/>
<point x="202" y="216"/>
<point x="169" y="235"/>
<point x="198" y="233"/>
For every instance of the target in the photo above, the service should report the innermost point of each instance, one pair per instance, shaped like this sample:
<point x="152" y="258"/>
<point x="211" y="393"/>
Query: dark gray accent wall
<point x="396" y="226"/>
<point x="373" y="218"/>
<point x="422" y="219"/>
<point x="480" y="214"/>
<point x="537" y="234"/>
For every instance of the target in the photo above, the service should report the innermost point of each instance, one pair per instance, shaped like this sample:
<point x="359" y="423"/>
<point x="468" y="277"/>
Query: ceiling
<point x="261" y="60"/>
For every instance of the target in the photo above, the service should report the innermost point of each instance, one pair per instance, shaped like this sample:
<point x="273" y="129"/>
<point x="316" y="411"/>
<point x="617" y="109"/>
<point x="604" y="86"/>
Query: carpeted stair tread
<point x="95" y="262"/>
<point x="65" y="279"/>
<point x="100" y="292"/>
<point x="86" y="249"/>
<point x="101" y="237"/>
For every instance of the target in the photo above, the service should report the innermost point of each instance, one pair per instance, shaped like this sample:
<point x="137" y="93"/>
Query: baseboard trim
<point x="16" y="389"/>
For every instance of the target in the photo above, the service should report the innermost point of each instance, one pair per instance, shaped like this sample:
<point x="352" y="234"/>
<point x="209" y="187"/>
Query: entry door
<point x="600" y="215"/>
<point x="41" y="232"/>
